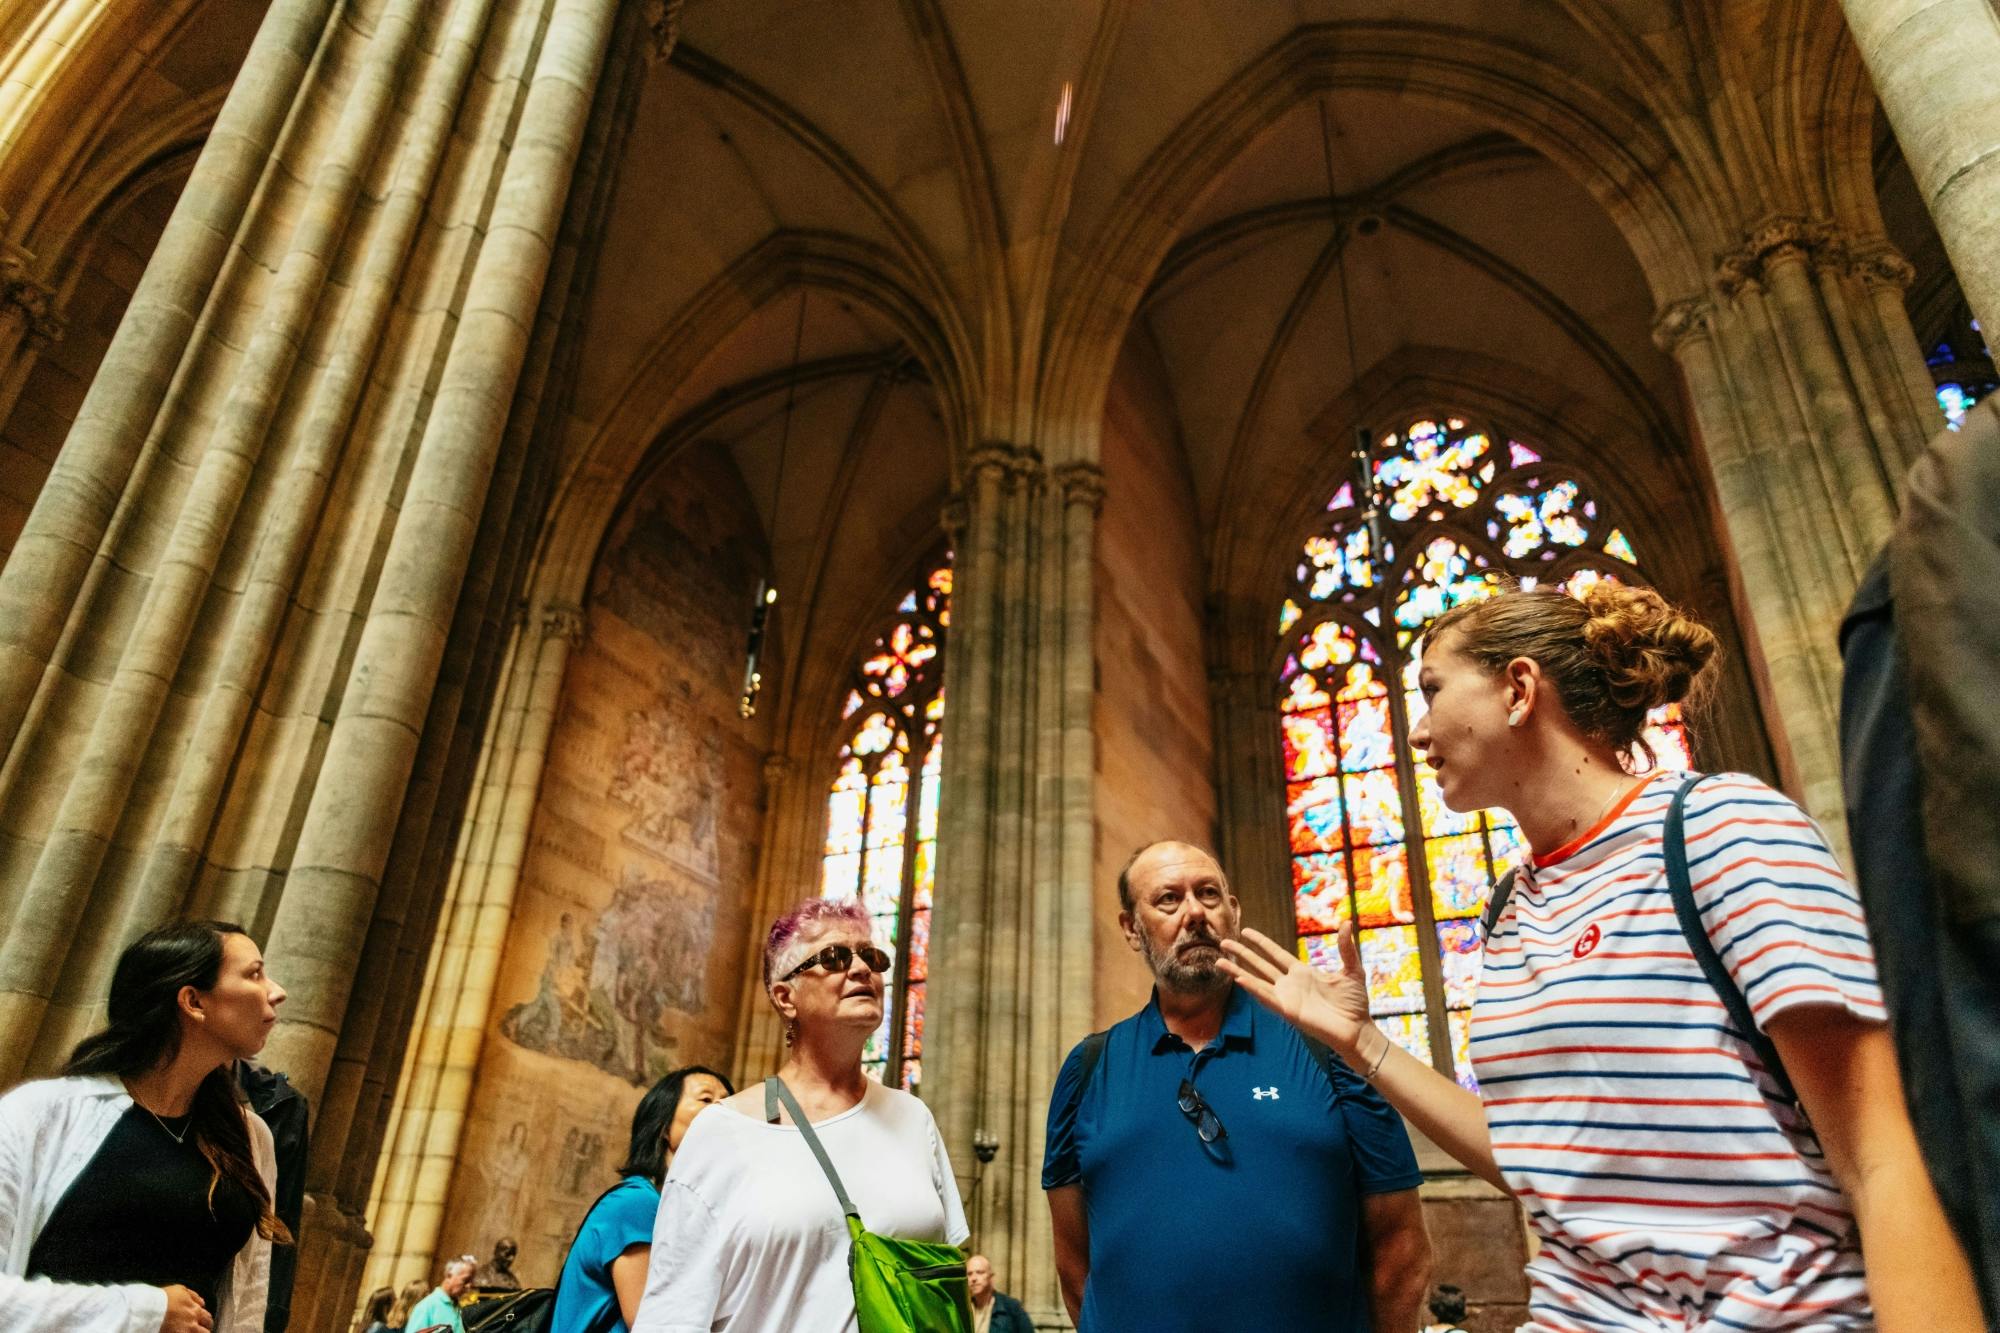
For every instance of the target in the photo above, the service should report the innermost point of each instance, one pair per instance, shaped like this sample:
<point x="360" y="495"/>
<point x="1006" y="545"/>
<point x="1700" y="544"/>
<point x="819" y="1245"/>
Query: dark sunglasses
<point x="1207" y="1124"/>
<point x="835" y="958"/>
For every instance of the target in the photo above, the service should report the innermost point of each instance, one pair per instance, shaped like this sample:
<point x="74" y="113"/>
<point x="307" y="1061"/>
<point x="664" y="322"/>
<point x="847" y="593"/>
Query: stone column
<point x="1011" y="934"/>
<point x="1932" y="64"/>
<point x="415" y="1176"/>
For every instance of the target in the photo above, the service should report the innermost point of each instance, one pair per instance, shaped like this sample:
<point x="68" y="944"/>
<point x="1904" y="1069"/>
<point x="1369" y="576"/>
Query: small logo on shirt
<point x="1263" y="1094"/>
<point x="1587" y="941"/>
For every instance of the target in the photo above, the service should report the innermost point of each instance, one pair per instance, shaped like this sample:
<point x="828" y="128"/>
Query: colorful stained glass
<point x="1319" y="891"/>
<point x="1365" y="740"/>
<point x="1457" y="536"/>
<point x="1955" y="401"/>
<point x="1430" y="465"/>
<point x="1321" y="951"/>
<point x="1302" y="691"/>
<point x="1538" y="519"/>
<point x="1309" y="745"/>
<point x="1460" y="1023"/>
<point x="1458" y="874"/>
<point x="1412" y="1032"/>
<point x="869" y="850"/>
<point x="1314" y="811"/>
<point x="1395" y="970"/>
<point x="1459" y="950"/>
<point x="841" y="877"/>
<point x="1374" y="806"/>
<point x="1382" y="885"/>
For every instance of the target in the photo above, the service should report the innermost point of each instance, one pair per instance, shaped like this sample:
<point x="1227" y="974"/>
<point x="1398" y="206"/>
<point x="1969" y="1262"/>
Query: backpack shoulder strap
<point x="1681" y="886"/>
<point x="1091" y="1049"/>
<point x="1495" y="905"/>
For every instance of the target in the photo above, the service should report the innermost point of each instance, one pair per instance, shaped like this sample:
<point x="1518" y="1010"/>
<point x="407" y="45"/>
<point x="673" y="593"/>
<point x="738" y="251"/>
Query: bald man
<point x="1210" y="1169"/>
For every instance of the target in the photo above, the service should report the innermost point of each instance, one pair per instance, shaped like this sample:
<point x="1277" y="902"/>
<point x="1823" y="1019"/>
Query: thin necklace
<point x="177" y="1138"/>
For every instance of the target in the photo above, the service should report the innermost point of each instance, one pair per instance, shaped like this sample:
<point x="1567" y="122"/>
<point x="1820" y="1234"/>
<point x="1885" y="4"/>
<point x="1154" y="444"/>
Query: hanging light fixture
<point x="767" y="587"/>
<point x="1365" y="492"/>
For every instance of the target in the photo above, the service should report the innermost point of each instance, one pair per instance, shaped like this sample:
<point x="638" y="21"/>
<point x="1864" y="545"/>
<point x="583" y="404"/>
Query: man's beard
<point x="1188" y="973"/>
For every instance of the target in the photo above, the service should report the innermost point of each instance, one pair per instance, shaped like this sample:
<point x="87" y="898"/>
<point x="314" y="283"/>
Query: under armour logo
<point x="1260" y="1094"/>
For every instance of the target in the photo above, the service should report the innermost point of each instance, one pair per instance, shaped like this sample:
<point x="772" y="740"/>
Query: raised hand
<point x="185" y="1313"/>
<point x="1331" y="1008"/>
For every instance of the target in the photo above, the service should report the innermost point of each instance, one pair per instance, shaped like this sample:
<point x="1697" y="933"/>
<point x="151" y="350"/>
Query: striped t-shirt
<point x="1669" y="1184"/>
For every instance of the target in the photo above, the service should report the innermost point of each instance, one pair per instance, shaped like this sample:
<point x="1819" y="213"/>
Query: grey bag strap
<point x="775" y="1092"/>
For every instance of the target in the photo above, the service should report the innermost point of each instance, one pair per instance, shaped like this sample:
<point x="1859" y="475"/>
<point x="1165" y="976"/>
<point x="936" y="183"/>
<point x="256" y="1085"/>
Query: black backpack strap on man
<point x="1680" y="887"/>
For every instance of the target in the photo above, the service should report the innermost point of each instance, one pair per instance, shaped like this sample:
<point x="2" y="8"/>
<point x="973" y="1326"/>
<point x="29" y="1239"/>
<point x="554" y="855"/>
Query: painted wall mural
<point x="639" y="860"/>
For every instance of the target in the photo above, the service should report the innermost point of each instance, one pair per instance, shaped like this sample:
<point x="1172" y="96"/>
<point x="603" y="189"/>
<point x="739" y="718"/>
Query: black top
<point x="140" y="1212"/>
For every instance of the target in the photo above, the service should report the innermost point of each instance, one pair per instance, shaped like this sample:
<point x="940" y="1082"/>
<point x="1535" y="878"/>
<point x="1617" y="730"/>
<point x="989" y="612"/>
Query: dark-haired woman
<point x="135" y="1191"/>
<point x="1672" y="1183"/>
<point x="375" y="1311"/>
<point x="605" y="1273"/>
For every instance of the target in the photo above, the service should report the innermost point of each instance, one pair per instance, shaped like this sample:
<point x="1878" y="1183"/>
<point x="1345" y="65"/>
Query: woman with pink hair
<point x="751" y="1236"/>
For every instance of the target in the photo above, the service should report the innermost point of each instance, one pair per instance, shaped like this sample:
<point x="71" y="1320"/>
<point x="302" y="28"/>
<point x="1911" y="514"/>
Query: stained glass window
<point x="882" y="810"/>
<point x="1961" y="365"/>
<point x="1463" y="506"/>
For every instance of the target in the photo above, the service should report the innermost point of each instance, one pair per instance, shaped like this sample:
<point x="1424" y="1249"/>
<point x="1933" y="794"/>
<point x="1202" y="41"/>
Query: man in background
<point x="992" y="1311"/>
<point x="440" y="1308"/>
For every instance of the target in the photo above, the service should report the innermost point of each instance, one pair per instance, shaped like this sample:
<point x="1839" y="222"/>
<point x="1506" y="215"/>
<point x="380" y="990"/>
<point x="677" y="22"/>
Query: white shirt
<point x="49" y="1131"/>
<point x="750" y="1238"/>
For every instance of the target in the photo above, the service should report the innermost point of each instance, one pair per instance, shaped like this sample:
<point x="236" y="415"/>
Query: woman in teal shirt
<point x="605" y="1273"/>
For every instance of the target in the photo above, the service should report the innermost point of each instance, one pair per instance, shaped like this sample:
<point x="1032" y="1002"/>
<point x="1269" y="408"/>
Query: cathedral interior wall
<point x="622" y="958"/>
<point x="1154" y="761"/>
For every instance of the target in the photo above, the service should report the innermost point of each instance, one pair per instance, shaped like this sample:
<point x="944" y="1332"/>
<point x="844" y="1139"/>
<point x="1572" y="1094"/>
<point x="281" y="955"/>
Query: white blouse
<point x="49" y="1131"/>
<point x="750" y="1238"/>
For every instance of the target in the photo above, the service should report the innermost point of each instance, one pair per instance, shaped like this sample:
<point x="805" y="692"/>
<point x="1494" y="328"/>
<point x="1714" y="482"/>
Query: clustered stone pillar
<point x="1011" y="933"/>
<point x="1809" y="393"/>
<point x="1932" y="64"/>
<point x="1251" y="820"/>
<point x="250" y="632"/>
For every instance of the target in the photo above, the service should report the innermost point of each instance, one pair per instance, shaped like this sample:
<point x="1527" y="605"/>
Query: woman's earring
<point x="1514" y="718"/>
<point x="791" y="1031"/>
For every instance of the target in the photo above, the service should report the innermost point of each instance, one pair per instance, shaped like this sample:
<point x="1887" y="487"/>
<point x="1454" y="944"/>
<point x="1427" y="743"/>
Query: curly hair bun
<point x="1651" y="653"/>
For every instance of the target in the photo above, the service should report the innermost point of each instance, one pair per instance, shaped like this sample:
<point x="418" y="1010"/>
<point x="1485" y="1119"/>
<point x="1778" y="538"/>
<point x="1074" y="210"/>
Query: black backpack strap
<point x="1681" y="886"/>
<point x="1495" y="905"/>
<point x="1091" y="1048"/>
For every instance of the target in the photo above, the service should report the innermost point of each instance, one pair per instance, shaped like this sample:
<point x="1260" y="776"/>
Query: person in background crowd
<point x="750" y="1236"/>
<point x="1670" y="1178"/>
<point x="406" y="1300"/>
<point x="135" y="1192"/>
<point x="375" y="1311"/>
<point x="498" y="1275"/>
<point x="441" y="1306"/>
<point x="992" y="1311"/>
<point x="605" y="1273"/>
<point x="1920" y="763"/>
<point x="1447" y="1309"/>
<point x="1204" y="1106"/>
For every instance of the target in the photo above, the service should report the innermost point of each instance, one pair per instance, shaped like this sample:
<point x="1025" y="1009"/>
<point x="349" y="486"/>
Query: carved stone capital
<point x="1882" y="266"/>
<point x="663" y="29"/>
<point x="27" y="298"/>
<point x="561" y="620"/>
<point x="1776" y="240"/>
<point x="777" y="768"/>
<point x="1082" y="483"/>
<point x="1680" y="320"/>
<point x="989" y="460"/>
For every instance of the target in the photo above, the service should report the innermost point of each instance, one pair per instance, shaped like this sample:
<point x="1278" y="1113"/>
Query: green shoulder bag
<point x="900" y="1286"/>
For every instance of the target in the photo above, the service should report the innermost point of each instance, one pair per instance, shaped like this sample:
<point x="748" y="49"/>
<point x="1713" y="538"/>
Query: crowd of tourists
<point x="1685" y="1067"/>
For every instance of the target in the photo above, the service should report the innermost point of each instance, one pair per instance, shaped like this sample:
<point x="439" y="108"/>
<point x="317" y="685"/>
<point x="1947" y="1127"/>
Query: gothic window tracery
<point x="882" y="810"/>
<point x="1462" y="508"/>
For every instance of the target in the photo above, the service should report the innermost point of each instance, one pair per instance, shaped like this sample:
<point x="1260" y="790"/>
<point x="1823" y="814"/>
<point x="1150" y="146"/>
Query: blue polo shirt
<point x="1260" y="1230"/>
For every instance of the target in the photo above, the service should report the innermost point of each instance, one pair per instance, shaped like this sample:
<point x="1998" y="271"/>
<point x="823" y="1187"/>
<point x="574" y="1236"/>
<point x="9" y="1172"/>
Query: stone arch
<point x="1626" y="162"/>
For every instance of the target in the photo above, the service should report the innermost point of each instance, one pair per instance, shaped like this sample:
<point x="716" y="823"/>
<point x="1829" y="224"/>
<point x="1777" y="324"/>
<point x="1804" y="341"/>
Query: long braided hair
<point x="144" y="1032"/>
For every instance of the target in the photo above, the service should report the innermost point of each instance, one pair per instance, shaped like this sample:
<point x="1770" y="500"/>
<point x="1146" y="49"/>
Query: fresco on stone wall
<point x="622" y="958"/>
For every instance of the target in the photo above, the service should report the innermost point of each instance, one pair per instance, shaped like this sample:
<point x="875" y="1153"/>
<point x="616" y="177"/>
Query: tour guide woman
<point x="750" y="1237"/>
<point x="1672" y="1183"/>
<point x="605" y="1272"/>
<point x="135" y="1193"/>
